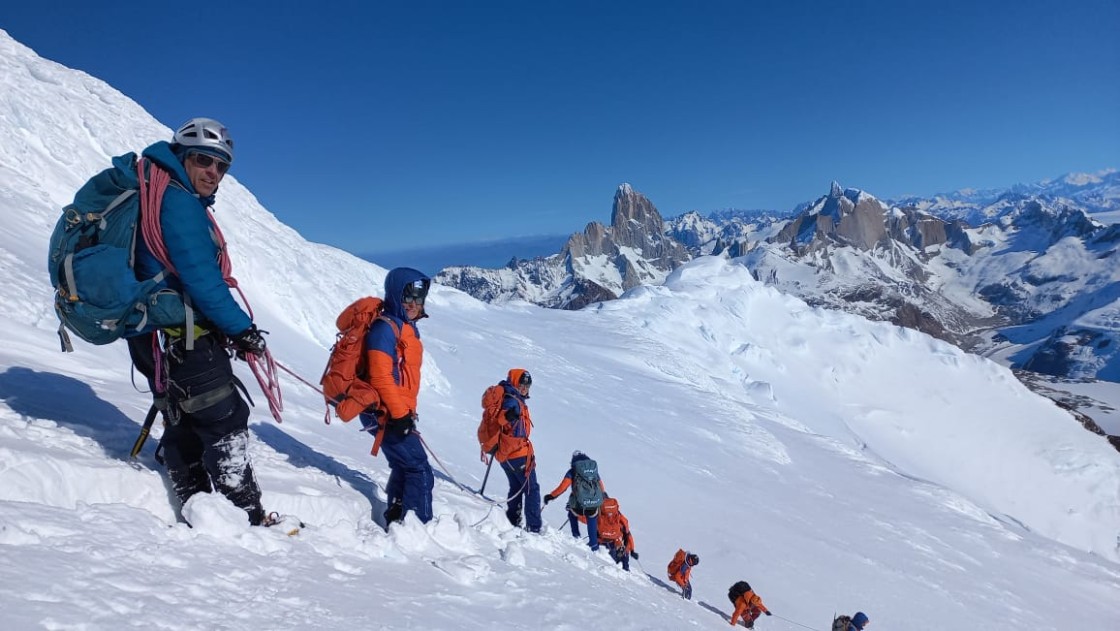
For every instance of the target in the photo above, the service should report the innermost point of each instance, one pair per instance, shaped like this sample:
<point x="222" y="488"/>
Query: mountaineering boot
<point x="514" y="516"/>
<point x="287" y="523"/>
<point x="257" y="516"/>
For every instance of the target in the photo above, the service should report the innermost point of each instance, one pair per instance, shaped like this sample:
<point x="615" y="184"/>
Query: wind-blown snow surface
<point x="836" y="464"/>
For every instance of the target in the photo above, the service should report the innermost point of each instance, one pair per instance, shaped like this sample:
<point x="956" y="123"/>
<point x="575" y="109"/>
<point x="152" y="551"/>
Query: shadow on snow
<point x="72" y="404"/>
<point x="302" y="456"/>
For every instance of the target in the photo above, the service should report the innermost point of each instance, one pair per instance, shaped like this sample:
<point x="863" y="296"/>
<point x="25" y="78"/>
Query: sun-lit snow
<point x="834" y="463"/>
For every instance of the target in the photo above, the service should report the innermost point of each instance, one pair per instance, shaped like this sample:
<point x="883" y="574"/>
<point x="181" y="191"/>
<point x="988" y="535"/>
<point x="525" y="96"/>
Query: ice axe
<point x="489" y="463"/>
<point x="144" y="430"/>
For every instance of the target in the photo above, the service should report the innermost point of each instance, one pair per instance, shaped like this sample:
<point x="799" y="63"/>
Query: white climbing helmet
<point x="205" y="133"/>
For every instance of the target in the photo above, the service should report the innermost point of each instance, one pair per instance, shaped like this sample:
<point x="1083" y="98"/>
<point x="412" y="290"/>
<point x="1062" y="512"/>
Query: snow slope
<point x="834" y="463"/>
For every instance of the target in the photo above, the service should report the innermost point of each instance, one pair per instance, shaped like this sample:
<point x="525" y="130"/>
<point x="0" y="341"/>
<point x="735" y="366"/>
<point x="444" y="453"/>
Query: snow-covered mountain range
<point x="1098" y="194"/>
<point x="1026" y="274"/>
<point x="834" y="462"/>
<point x="1037" y="284"/>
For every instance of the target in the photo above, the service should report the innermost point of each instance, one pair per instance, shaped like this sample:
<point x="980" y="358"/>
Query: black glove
<point x="547" y="499"/>
<point x="511" y="414"/>
<point x="249" y="341"/>
<point x="634" y="554"/>
<point x="768" y="613"/>
<point x="401" y="426"/>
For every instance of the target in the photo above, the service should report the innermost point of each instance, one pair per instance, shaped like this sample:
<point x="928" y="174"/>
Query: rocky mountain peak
<point x="635" y="221"/>
<point x="597" y="264"/>
<point x="844" y="216"/>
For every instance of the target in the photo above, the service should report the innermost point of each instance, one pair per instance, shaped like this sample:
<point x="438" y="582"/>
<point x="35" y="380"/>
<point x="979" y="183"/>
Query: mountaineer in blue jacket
<point x="206" y="440"/>
<point x="586" y="498"/>
<point x="394" y="356"/>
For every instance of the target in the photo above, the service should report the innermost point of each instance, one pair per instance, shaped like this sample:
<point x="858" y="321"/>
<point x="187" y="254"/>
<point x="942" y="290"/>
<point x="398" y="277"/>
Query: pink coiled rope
<point x="151" y="199"/>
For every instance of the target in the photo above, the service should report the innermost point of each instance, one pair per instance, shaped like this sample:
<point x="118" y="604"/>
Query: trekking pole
<point x="482" y="490"/>
<point x="145" y="429"/>
<point x="795" y="622"/>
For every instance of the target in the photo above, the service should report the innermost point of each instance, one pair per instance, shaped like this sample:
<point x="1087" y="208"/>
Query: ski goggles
<point x="415" y="292"/>
<point x="203" y="161"/>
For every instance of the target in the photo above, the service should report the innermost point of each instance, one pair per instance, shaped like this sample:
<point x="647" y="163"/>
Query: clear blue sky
<point x="387" y="125"/>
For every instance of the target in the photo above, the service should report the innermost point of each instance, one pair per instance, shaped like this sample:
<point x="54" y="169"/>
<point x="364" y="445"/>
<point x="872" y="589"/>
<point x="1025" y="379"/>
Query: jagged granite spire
<point x="594" y="265"/>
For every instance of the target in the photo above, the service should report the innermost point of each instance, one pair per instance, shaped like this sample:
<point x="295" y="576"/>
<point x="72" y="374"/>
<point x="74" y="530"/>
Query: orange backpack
<point x="490" y="427"/>
<point x="676" y="563"/>
<point x="610" y="521"/>
<point x="344" y="381"/>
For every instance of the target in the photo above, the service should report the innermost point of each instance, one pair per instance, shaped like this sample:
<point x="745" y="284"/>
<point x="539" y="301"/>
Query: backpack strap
<point x="189" y="334"/>
<point x="396" y="331"/>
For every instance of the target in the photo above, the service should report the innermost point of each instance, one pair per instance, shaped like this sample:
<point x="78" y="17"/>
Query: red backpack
<point x="490" y="427"/>
<point x="344" y="381"/>
<point x="610" y="521"/>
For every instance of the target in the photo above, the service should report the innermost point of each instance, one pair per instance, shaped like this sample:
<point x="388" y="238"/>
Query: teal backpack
<point x="92" y="254"/>
<point x="586" y="495"/>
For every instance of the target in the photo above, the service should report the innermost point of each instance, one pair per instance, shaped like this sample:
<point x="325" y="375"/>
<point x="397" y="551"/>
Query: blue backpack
<point x="586" y="494"/>
<point x="92" y="253"/>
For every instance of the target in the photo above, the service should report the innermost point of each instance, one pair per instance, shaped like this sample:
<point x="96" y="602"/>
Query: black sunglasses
<point x="204" y="161"/>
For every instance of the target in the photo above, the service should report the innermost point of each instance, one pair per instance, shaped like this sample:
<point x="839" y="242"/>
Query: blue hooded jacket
<point x="381" y="336"/>
<point x="858" y="621"/>
<point x="186" y="235"/>
<point x="395" y="282"/>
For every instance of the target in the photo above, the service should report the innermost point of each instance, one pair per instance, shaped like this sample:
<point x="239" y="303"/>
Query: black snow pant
<point x="206" y="433"/>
